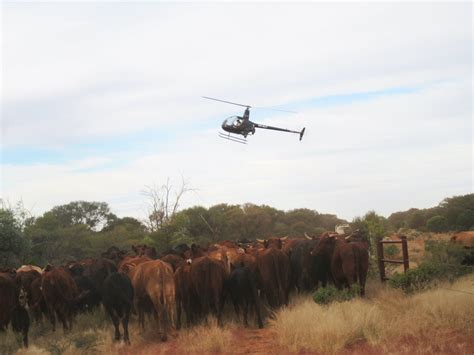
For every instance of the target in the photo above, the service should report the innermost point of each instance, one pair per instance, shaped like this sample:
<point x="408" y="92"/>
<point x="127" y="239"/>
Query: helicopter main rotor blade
<point x="227" y="102"/>
<point x="274" y="109"/>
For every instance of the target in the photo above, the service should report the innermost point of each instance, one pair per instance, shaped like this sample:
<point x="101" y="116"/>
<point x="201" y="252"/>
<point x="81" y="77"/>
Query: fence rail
<point x="381" y="260"/>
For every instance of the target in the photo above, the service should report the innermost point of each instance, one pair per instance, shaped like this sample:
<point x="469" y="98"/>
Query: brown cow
<point x="274" y="276"/>
<point x="273" y="242"/>
<point x="30" y="268"/>
<point x="130" y="262"/>
<point x="38" y="306"/>
<point x="207" y="279"/>
<point x="465" y="239"/>
<point x="145" y="250"/>
<point x="153" y="282"/>
<point x="115" y="254"/>
<point x="247" y="260"/>
<point x="185" y="297"/>
<point x="11" y="307"/>
<point x="24" y="280"/>
<point x="60" y="294"/>
<point x="344" y="259"/>
<point x="174" y="260"/>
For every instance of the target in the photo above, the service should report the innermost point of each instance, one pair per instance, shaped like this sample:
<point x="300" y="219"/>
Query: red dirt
<point x="264" y="341"/>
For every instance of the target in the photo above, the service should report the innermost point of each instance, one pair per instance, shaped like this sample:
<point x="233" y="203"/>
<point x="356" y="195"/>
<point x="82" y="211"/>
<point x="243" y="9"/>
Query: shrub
<point x="326" y="295"/>
<point x="391" y="250"/>
<point x="443" y="263"/>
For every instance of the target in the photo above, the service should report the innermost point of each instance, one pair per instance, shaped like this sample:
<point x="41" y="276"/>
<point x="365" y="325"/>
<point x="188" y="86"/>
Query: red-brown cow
<point x="274" y="276"/>
<point x="207" y="279"/>
<point x="174" y="260"/>
<point x="60" y="294"/>
<point x="185" y="297"/>
<point x="153" y="282"/>
<point x="11" y="310"/>
<point x="130" y="262"/>
<point x="145" y="250"/>
<point x="344" y="260"/>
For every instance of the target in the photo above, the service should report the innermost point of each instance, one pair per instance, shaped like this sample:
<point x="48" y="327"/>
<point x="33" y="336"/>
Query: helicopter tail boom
<point x="301" y="133"/>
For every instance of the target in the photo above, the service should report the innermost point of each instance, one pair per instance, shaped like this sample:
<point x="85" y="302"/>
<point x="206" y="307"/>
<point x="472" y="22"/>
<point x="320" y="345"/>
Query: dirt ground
<point x="264" y="341"/>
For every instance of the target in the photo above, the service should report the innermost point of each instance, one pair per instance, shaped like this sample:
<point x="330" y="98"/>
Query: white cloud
<point x="76" y="73"/>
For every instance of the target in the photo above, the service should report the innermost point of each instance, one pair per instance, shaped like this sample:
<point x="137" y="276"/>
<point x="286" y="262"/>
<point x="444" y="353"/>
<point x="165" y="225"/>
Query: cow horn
<point x="260" y="240"/>
<point x="347" y="238"/>
<point x="284" y="238"/>
<point x="307" y="236"/>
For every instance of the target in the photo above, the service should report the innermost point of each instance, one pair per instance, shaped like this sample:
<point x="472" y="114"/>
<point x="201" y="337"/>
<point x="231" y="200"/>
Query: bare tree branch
<point x="160" y="207"/>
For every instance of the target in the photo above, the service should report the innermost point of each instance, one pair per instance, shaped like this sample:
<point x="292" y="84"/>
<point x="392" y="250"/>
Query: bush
<point x="391" y="250"/>
<point x="326" y="295"/>
<point x="443" y="263"/>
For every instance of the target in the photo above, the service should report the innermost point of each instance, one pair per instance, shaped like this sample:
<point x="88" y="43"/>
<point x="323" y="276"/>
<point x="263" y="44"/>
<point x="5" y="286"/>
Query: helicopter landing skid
<point x="232" y="138"/>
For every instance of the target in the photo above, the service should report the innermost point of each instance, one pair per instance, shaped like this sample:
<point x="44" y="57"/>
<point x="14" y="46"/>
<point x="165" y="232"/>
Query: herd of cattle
<point x="195" y="279"/>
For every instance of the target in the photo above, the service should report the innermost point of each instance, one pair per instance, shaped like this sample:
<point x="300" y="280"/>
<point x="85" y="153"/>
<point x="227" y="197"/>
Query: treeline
<point x="84" y="229"/>
<point x="452" y="214"/>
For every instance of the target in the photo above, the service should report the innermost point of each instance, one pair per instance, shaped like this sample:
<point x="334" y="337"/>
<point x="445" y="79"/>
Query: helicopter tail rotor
<point x="302" y="133"/>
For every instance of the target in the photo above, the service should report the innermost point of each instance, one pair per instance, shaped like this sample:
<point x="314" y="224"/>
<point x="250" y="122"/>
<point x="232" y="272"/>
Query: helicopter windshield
<point x="233" y="121"/>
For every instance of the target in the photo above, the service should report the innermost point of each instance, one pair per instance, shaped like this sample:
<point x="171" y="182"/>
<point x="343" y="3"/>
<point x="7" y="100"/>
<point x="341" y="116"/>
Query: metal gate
<point x="381" y="260"/>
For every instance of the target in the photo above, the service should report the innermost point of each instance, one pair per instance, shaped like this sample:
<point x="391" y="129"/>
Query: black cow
<point x="92" y="297"/>
<point x="242" y="287"/>
<point x="117" y="297"/>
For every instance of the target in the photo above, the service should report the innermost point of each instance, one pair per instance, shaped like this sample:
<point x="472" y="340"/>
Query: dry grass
<point x="386" y="317"/>
<point x="206" y="338"/>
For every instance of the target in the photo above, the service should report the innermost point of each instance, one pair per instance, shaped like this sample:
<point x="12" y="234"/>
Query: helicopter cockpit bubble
<point x="232" y="121"/>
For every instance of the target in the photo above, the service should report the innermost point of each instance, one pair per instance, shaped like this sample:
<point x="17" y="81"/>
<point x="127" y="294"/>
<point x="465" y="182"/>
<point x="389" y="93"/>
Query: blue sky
<point x="100" y="100"/>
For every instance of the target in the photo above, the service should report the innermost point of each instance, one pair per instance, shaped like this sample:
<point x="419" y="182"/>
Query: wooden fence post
<point x="406" y="264"/>
<point x="380" y="260"/>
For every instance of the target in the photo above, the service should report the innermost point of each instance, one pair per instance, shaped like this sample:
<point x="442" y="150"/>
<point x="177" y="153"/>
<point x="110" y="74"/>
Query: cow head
<point x="144" y="249"/>
<point x="274" y="242"/>
<point x="196" y="251"/>
<point x="325" y="245"/>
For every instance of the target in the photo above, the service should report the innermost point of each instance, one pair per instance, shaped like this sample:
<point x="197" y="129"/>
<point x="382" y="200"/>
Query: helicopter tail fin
<point x="302" y="133"/>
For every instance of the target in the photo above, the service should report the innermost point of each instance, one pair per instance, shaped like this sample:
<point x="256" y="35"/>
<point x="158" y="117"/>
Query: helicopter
<point x="241" y="125"/>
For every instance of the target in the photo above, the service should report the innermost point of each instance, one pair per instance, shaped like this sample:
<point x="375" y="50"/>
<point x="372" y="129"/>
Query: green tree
<point x="416" y="219"/>
<point x="437" y="224"/>
<point x="95" y="215"/>
<point x="13" y="244"/>
<point x="465" y="220"/>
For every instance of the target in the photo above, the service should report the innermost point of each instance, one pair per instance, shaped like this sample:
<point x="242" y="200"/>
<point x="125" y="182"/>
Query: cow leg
<point x="160" y="312"/>
<point x="115" y="321"/>
<point x="141" y="318"/>
<point x="62" y="319"/>
<point x="178" y="314"/>
<point x="246" y="310"/>
<point x="235" y="302"/>
<point x="125" y="320"/>
<point x="52" y="317"/>
<point x="220" y="301"/>
<point x="259" y="315"/>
